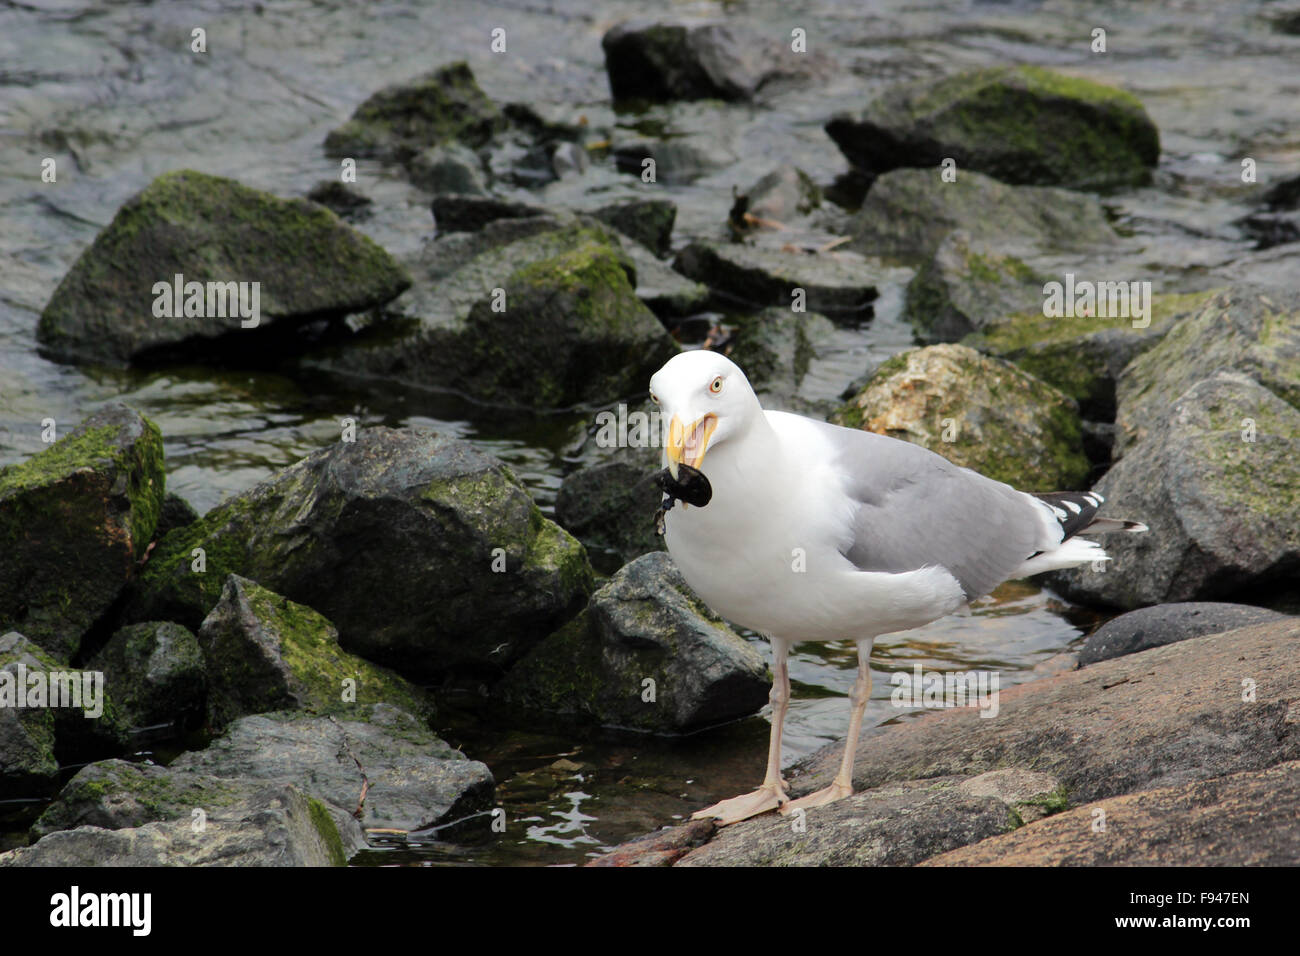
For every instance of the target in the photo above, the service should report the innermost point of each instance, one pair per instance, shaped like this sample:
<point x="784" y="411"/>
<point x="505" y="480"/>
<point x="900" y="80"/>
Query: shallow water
<point x="113" y="94"/>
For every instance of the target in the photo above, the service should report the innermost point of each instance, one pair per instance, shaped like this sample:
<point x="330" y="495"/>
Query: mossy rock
<point x="156" y="672"/>
<point x="28" y="767"/>
<point x="74" y="521"/>
<point x="404" y="119"/>
<point x="648" y="221"/>
<point x="776" y="347"/>
<point x="908" y="213"/>
<point x="549" y="319"/>
<point x="1216" y="477"/>
<point x="308" y="263"/>
<point x="968" y="286"/>
<point x="1020" y="124"/>
<point x="1083" y="355"/>
<point x="1245" y="329"/>
<point x="978" y="412"/>
<point x="427" y="555"/>
<point x="644" y="626"/>
<point x="266" y="653"/>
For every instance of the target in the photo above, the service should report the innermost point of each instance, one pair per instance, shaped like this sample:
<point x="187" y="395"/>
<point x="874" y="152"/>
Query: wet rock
<point x="569" y="159"/>
<point x="412" y="779"/>
<point x="1223" y="511"/>
<point x="279" y="827"/>
<point x="977" y="412"/>
<point x="449" y="168"/>
<point x="266" y="653"/>
<point x="833" y="283"/>
<point x="674" y="61"/>
<point x="563" y="292"/>
<point x="1244" y="819"/>
<point x="908" y="212"/>
<point x="676" y="162"/>
<point x="469" y="213"/>
<point x="394" y="538"/>
<point x="896" y="824"/>
<point x="74" y="520"/>
<point x="775" y="348"/>
<point x="1248" y="330"/>
<point x="645" y="624"/>
<point x="666" y="292"/>
<point x="343" y="199"/>
<point x="968" y="286"/>
<point x="609" y="507"/>
<point x="1083" y="355"/>
<point x="155" y="671"/>
<point x="781" y="196"/>
<point x="1020" y="124"/>
<point x="1166" y="623"/>
<point x="210" y="230"/>
<point x="648" y="221"/>
<point x="402" y="120"/>
<point x="1285" y="193"/>
<point x="176" y="513"/>
<point x="415" y="780"/>
<point x="65" y="712"/>
<point x="28" y="767"/>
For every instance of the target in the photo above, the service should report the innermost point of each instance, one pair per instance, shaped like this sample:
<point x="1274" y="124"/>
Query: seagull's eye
<point x="654" y="398"/>
<point x="716" y="385"/>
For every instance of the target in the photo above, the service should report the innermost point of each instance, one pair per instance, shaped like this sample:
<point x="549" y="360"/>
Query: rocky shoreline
<point x="289" y="638"/>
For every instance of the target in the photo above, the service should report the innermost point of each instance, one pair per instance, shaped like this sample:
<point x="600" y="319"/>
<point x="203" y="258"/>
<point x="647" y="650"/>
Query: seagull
<point x="815" y="532"/>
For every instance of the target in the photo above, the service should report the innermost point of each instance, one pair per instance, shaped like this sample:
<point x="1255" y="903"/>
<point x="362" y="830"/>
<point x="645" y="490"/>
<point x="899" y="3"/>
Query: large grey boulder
<point x="427" y="555"/>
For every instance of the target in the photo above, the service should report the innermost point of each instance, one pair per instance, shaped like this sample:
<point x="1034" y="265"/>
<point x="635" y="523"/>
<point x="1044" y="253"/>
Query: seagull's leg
<point x="842" y="785"/>
<point x="771" y="794"/>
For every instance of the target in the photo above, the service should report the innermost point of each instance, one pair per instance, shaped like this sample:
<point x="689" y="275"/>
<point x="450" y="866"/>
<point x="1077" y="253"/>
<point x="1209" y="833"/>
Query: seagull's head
<point x="706" y="400"/>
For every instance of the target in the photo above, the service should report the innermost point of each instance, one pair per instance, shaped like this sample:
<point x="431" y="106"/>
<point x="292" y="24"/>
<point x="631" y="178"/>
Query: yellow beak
<point x="687" y="444"/>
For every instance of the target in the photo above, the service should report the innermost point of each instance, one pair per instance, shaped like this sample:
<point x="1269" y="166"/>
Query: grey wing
<point x="915" y="508"/>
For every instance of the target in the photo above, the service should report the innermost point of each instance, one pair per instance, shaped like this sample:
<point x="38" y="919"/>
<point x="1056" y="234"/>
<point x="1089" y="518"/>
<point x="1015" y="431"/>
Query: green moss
<point x="328" y="830"/>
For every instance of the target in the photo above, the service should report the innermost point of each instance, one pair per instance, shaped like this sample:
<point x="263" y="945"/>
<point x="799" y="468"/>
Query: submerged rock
<point x="404" y="119"/>
<point x="549" y="320"/>
<point x="1222" y="503"/>
<point x="155" y="671"/>
<point x="343" y="199"/>
<point x="216" y="235"/>
<point x="277" y="827"/>
<point x="1083" y="355"/>
<point x="74" y="520"/>
<point x="1021" y="124"/>
<point x="966" y="287"/>
<point x="646" y="654"/>
<point x="977" y="412"/>
<point x="427" y="555"/>
<point x="676" y="162"/>
<point x="908" y="212"/>
<point x="1248" y="330"/>
<point x="267" y="653"/>
<point x="833" y="283"/>
<point x="1149" y="627"/>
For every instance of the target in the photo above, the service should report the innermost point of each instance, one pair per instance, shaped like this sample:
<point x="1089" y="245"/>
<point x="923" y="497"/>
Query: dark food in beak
<point x="689" y="486"/>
